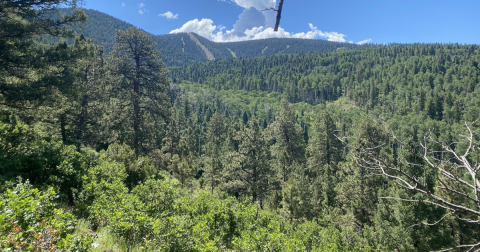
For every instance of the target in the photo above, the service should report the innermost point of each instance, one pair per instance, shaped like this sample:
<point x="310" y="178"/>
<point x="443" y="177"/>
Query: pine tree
<point x="172" y="136"/>
<point x="143" y="87"/>
<point x="178" y="149"/>
<point x="86" y="108"/>
<point x="297" y="195"/>
<point x="324" y="147"/>
<point x="215" y="140"/>
<point x="28" y="72"/>
<point x="245" y="117"/>
<point x="357" y="190"/>
<point x="324" y="152"/>
<point x="248" y="170"/>
<point x="289" y="147"/>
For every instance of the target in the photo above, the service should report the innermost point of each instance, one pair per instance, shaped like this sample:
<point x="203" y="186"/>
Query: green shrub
<point x="43" y="163"/>
<point x="30" y="221"/>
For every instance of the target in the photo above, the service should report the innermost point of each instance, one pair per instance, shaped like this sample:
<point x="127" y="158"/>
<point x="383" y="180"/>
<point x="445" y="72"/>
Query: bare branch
<point x="472" y="246"/>
<point x="279" y="14"/>
<point x="448" y="183"/>
<point x="432" y="224"/>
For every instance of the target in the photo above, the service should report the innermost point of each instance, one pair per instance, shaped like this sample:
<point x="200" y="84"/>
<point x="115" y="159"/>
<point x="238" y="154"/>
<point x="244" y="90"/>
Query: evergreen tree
<point x="297" y="196"/>
<point x="245" y="117"/>
<point x="215" y="139"/>
<point x="172" y="135"/>
<point x="248" y="170"/>
<point x="28" y="71"/>
<point x="324" y="152"/>
<point x="357" y="189"/>
<point x="178" y="150"/>
<point x="289" y="147"/>
<point x="85" y="111"/>
<point x="143" y="88"/>
<point x="324" y="147"/>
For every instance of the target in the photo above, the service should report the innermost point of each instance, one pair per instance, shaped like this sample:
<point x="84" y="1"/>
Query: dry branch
<point x="279" y="14"/>
<point x="457" y="176"/>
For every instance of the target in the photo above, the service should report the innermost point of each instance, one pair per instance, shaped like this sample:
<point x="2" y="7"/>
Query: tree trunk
<point x="255" y="185"/>
<point x="136" y="119"/>
<point x="62" y="128"/>
<point x="81" y="122"/>
<point x="136" y="109"/>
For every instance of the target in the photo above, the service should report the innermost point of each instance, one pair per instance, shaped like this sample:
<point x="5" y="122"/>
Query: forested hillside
<point x="104" y="149"/>
<point x="179" y="49"/>
<point x="439" y="80"/>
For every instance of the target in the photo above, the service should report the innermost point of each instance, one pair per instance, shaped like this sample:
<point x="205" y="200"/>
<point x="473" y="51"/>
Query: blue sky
<point x="356" y="21"/>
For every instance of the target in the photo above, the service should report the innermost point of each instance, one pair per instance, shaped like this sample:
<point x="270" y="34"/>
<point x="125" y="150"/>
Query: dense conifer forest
<point x="112" y="139"/>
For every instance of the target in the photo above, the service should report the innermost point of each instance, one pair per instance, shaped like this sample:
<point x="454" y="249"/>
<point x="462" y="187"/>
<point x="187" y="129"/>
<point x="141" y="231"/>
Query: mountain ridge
<point x="182" y="48"/>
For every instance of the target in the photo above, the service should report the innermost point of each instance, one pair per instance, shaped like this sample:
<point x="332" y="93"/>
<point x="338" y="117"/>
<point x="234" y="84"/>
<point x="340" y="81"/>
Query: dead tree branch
<point x="455" y="187"/>
<point x="279" y="14"/>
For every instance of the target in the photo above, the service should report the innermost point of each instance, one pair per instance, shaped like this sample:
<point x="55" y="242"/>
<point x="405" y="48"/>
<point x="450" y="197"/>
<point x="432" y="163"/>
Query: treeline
<point x="103" y="152"/>
<point x="179" y="49"/>
<point x="440" y="80"/>
<point x="275" y="46"/>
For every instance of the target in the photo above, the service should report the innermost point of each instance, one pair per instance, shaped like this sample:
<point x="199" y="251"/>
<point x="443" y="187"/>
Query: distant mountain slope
<point x="101" y="27"/>
<point x="275" y="46"/>
<point x="180" y="49"/>
<point x="204" y="49"/>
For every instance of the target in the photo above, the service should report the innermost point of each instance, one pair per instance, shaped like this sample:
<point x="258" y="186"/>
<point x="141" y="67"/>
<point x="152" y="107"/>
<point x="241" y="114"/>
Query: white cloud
<point x="204" y="27"/>
<point x="207" y="29"/>
<point x="249" y="19"/>
<point x="365" y="41"/>
<point x="257" y="4"/>
<point x="123" y="5"/>
<point x="168" y="15"/>
<point x="264" y="33"/>
<point x="141" y="8"/>
<point x="251" y="25"/>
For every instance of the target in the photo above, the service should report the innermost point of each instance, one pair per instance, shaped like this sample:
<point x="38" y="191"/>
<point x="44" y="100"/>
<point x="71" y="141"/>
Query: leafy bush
<point x="138" y="169"/>
<point x="30" y="221"/>
<point x="41" y="162"/>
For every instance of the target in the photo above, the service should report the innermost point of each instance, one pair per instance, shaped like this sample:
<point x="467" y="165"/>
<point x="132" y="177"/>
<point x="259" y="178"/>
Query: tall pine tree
<point x="143" y="88"/>
<point x="289" y="147"/>
<point x="216" y="134"/>
<point x="324" y="151"/>
<point x="248" y="170"/>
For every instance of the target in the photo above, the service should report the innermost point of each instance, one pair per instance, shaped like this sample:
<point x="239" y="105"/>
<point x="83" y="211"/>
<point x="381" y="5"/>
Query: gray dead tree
<point x="279" y="14"/>
<point x="455" y="186"/>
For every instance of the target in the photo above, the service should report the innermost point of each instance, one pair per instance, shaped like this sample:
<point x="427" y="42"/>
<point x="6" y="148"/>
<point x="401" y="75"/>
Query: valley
<point x="115" y="139"/>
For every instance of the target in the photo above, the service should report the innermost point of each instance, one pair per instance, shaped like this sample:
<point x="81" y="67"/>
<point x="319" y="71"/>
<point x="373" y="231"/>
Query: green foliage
<point x="157" y="217"/>
<point x="213" y="149"/>
<point x="289" y="147"/>
<point x="137" y="169"/>
<point x="143" y="86"/>
<point x="158" y="196"/>
<point x="324" y="152"/>
<point x="83" y="116"/>
<point x="247" y="171"/>
<point x="387" y="80"/>
<point x="30" y="221"/>
<point x="103" y="186"/>
<point x="401" y="219"/>
<point x="37" y="73"/>
<point x="234" y="155"/>
<point x="48" y="163"/>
